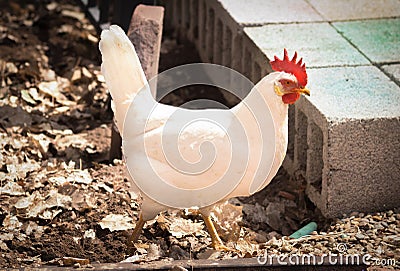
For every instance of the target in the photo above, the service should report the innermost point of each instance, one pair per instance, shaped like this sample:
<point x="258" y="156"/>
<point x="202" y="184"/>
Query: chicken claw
<point x="216" y="241"/>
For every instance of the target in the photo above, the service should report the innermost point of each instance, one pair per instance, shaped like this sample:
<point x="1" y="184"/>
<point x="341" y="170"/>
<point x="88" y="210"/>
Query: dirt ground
<point x="60" y="197"/>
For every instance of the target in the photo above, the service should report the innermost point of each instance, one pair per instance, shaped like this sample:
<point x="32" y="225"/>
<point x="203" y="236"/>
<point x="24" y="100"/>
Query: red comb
<point x="290" y="66"/>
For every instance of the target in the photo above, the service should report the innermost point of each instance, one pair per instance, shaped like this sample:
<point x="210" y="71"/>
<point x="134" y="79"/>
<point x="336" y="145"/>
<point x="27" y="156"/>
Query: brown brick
<point x="145" y="32"/>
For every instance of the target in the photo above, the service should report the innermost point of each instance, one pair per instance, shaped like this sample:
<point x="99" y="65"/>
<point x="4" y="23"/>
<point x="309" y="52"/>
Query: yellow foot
<point x="216" y="241"/>
<point x="136" y="232"/>
<point x="222" y="247"/>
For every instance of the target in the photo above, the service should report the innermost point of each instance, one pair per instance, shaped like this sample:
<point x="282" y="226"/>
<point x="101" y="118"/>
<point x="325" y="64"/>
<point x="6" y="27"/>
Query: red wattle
<point x="290" y="98"/>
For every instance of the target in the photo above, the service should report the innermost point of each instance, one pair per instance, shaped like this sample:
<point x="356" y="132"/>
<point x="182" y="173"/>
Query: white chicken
<point x="249" y="141"/>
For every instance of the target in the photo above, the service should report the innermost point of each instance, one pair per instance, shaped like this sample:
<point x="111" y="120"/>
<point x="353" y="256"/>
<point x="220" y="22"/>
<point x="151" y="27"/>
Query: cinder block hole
<point x="185" y="14"/>
<point x="227" y="47"/>
<point x="237" y="52"/>
<point x="291" y="131"/>
<point x="218" y="43"/>
<point x="247" y="63"/>
<point x="256" y="73"/>
<point x="300" y="143"/>
<point x="203" y="25"/>
<point x="315" y="162"/>
<point x="194" y="21"/>
<point x="178" y="13"/>
<point x="210" y="34"/>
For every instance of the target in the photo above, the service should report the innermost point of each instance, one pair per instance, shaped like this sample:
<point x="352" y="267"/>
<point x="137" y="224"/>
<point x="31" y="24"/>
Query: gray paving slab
<point x="356" y="9"/>
<point x="257" y="12"/>
<point x="379" y="40"/>
<point x="318" y="43"/>
<point x="362" y="92"/>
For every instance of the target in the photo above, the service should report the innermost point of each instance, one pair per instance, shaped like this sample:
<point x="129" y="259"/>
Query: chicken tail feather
<point x="122" y="71"/>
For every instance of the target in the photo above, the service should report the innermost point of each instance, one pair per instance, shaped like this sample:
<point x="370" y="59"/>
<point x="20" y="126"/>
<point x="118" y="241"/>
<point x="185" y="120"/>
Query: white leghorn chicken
<point x="131" y="99"/>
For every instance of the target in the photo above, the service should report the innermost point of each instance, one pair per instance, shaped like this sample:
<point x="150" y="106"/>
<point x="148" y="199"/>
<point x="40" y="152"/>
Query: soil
<point x="60" y="196"/>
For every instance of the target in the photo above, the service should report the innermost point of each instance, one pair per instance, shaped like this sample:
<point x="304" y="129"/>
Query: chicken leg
<point x="216" y="241"/>
<point x="136" y="231"/>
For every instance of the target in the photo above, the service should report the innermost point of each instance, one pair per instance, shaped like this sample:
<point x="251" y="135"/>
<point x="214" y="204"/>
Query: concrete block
<point x="379" y="40"/>
<point x="319" y="43"/>
<point x="352" y="143"/>
<point x="360" y="171"/>
<point x="255" y="12"/>
<point x="356" y="9"/>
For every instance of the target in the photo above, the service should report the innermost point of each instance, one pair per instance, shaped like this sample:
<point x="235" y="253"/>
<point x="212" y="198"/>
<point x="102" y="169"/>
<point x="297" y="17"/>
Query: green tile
<point x="356" y="9"/>
<point x="318" y="43"/>
<point x="379" y="40"/>
<point x="362" y="92"/>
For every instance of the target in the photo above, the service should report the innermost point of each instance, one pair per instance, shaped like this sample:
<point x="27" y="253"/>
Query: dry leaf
<point x="82" y="201"/>
<point x="89" y="234"/>
<point x="180" y="227"/>
<point x="131" y="259"/>
<point x="11" y="223"/>
<point x="227" y="216"/>
<point x="11" y="188"/>
<point x="115" y="222"/>
<point x="25" y="95"/>
<point x="6" y="236"/>
<point x="52" y="89"/>
<point x="3" y="246"/>
<point x="37" y="206"/>
<point x="68" y="261"/>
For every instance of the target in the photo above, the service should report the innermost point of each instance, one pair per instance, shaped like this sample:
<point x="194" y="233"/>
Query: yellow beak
<point x="303" y="91"/>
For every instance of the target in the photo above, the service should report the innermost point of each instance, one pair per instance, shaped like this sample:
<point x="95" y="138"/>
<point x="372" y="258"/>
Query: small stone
<point x="260" y="238"/>
<point x="354" y="214"/>
<point x="286" y="248"/>
<point x="362" y="224"/>
<point x="273" y="234"/>
<point x="360" y="236"/>
<point x="396" y="241"/>
<point x="355" y="223"/>
<point x="317" y="251"/>
<point x="377" y="217"/>
<point x="379" y="226"/>
<point x="389" y="253"/>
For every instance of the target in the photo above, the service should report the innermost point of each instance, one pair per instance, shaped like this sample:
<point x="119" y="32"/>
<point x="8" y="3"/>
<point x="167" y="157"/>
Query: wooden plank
<point x="244" y="264"/>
